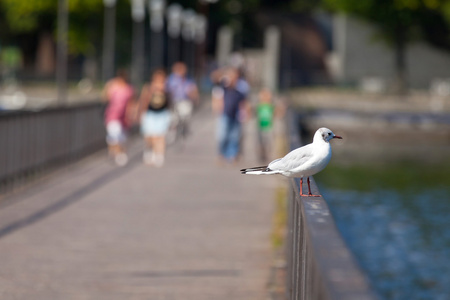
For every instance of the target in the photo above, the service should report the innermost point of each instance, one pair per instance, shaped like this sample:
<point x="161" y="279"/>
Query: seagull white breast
<point x="304" y="161"/>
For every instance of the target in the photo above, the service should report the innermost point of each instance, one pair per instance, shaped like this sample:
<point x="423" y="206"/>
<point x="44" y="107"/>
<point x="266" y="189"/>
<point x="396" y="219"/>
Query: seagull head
<point x="325" y="134"/>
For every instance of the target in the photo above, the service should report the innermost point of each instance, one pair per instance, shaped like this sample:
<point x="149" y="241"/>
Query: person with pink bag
<point x="118" y="94"/>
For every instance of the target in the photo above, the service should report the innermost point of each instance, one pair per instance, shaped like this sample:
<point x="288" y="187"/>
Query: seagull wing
<point x="293" y="160"/>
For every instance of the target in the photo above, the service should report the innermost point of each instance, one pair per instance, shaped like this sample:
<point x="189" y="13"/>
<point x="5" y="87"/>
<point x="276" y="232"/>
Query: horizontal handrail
<point x="32" y="141"/>
<point x="319" y="264"/>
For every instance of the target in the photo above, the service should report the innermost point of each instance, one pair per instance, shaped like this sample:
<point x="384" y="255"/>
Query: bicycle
<point x="181" y="115"/>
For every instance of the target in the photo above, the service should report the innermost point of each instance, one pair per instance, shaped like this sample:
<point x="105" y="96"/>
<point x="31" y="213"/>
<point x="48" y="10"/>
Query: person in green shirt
<point x="265" y="112"/>
<point x="10" y="61"/>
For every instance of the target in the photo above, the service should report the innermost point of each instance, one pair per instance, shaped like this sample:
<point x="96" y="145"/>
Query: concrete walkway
<point x="190" y="230"/>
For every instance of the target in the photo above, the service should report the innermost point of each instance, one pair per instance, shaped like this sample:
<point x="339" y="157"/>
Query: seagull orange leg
<point x="301" y="186"/>
<point x="309" y="190"/>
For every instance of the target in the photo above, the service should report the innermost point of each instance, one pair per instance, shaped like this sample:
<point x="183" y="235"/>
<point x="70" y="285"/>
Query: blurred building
<point x="358" y="55"/>
<point x="304" y="47"/>
<point x="324" y="49"/>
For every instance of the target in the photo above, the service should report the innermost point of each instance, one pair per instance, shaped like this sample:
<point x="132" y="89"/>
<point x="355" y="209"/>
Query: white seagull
<point x="301" y="162"/>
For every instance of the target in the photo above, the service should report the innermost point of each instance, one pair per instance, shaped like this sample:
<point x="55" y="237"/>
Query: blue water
<point x="400" y="237"/>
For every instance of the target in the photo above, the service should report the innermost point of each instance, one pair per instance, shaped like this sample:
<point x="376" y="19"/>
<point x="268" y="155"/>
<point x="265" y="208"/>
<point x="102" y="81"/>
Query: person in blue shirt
<point x="183" y="91"/>
<point x="230" y="103"/>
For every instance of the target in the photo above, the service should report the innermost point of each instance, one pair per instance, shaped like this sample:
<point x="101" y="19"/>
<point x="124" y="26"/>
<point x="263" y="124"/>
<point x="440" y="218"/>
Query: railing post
<point x="32" y="141"/>
<point x="289" y="244"/>
<point x="316" y="252"/>
<point x="295" y="248"/>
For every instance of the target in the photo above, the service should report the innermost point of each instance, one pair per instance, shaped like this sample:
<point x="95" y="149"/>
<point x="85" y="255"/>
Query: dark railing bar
<point x="319" y="264"/>
<point x="32" y="141"/>
<point x="337" y="268"/>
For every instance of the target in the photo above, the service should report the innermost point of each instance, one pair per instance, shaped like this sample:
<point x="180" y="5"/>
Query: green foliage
<point x="26" y="16"/>
<point x="23" y="15"/>
<point x="86" y="6"/>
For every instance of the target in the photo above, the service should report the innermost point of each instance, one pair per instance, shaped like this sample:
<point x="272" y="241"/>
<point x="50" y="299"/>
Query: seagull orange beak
<point x="337" y="137"/>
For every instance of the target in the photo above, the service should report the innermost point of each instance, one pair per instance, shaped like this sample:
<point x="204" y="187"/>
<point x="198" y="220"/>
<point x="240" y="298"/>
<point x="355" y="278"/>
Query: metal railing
<point x="319" y="264"/>
<point x="33" y="141"/>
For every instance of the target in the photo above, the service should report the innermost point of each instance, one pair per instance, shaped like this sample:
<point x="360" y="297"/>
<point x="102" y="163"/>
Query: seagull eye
<point x="329" y="133"/>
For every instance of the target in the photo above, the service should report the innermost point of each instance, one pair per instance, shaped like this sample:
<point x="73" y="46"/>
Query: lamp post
<point x="109" y="34"/>
<point x="138" y="46"/>
<point x="156" y="9"/>
<point x="200" y="27"/>
<point x="61" y="52"/>
<point x="188" y="34"/>
<point x="174" y="13"/>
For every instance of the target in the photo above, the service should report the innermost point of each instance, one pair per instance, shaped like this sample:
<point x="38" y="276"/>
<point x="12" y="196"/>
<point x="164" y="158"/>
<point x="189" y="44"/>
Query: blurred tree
<point x="24" y="16"/>
<point x="27" y="20"/>
<point x="291" y="5"/>
<point x="399" y="22"/>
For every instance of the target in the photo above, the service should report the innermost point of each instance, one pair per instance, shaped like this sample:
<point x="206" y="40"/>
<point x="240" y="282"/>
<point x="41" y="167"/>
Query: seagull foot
<point x="309" y="195"/>
<point x="309" y="190"/>
<point x="312" y="195"/>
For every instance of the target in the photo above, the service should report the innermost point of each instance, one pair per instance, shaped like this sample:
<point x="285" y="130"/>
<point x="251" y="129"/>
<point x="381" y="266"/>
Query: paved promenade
<point x="190" y="230"/>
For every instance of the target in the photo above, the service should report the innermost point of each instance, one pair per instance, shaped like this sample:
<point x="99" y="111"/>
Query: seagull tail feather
<point x="263" y="170"/>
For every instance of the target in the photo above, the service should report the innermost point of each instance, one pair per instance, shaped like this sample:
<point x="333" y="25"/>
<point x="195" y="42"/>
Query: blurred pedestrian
<point x="154" y="104"/>
<point x="11" y="61"/>
<point x="232" y="107"/>
<point x="118" y="94"/>
<point x="265" y="111"/>
<point x="183" y="92"/>
<point x="218" y="76"/>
